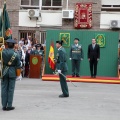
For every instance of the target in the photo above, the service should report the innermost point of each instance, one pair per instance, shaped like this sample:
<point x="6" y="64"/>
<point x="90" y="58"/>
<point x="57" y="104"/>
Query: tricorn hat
<point x="38" y="45"/>
<point x="77" y="39"/>
<point x="59" y="42"/>
<point x="11" y="41"/>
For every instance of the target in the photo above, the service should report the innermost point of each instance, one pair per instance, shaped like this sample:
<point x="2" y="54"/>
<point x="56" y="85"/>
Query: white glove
<point x="97" y="59"/>
<point x="3" y="46"/>
<point x="70" y="58"/>
<point x="19" y="77"/>
<point x="59" y="71"/>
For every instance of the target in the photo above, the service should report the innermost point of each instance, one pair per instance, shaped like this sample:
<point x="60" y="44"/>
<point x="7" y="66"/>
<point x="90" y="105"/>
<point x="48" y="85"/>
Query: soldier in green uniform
<point x="11" y="62"/>
<point x="38" y="51"/>
<point x="76" y="55"/>
<point x="61" y="67"/>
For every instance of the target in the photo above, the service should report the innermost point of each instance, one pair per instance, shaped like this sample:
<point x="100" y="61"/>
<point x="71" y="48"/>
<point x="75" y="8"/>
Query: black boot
<point x="4" y="109"/>
<point x="62" y="96"/>
<point x="10" y="108"/>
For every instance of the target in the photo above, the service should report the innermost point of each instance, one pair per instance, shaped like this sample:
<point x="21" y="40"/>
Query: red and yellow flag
<point x="51" y="56"/>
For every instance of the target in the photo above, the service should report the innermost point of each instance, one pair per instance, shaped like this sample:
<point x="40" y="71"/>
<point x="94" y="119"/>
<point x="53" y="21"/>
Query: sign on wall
<point x="66" y="39"/>
<point x="100" y="40"/>
<point x="83" y="15"/>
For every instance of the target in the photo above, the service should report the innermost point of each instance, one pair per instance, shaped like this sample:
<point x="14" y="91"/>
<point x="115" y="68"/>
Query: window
<point x="51" y="4"/>
<point x="42" y="4"/>
<point x="112" y="5"/>
<point x="35" y="2"/>
<point x="24" y="2"/>
<point x="42" y="37"/>
<point x="111" y="8"/>
<point x="25" y="34"/>
<point x="30" y="2"/>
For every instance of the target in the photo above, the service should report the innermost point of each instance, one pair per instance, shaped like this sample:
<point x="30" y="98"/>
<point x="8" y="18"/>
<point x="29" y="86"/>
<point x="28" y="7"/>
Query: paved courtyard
<point x="38" y="100"/>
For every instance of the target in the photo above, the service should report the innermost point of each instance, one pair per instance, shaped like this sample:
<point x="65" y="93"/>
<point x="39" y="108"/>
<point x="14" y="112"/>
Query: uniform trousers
<point x="93" y="65"/>
<point x="63" y="84"/>
<point x="75" y="67"/>
<point x="7" y="91"/>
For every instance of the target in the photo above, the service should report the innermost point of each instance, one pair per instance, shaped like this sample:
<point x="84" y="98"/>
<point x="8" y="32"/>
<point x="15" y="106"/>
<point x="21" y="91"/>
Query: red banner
<point x="83" y="15"/>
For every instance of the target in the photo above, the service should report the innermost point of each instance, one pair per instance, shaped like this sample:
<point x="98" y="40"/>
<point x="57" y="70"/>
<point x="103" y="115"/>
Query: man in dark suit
<point x="93" y="57"/>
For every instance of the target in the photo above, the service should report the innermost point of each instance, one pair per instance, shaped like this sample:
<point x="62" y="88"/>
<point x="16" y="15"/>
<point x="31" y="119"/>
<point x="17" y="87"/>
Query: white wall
<point x="106" y="17"/>
<point x="48" y="18"/>
<point x="110" y="2"/>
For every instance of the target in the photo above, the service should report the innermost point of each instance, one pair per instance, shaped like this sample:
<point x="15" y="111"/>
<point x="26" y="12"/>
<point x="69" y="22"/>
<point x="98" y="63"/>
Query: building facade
<point x="49" y="16"/>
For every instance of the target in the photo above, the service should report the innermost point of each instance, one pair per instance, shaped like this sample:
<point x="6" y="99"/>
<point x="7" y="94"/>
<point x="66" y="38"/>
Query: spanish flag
<point x="51" y="56"/>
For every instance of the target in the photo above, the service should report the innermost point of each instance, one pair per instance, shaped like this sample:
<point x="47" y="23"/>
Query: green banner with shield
<point x="100" y="40"/>
<point x="66" y="39"/>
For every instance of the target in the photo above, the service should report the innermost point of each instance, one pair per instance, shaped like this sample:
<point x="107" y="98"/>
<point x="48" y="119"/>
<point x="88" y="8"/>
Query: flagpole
<point x="2" y="20"/>
<point x="2" y="36"/>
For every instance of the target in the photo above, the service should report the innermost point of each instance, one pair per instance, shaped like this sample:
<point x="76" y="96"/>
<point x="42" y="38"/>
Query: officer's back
<point x="7" y="55"/>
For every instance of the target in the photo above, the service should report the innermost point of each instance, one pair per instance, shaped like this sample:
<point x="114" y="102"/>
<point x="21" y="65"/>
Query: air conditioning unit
<point x="69" y="14"/>
<point x="115" y="23"/>
<point x="33" y="13"/>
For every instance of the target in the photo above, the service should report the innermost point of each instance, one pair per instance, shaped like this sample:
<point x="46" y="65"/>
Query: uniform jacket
<point x="93" y="53"/>
<point x="76" y="52"/>
<point x="61" y="58"/>
<point x="6" y="55"/>
<point x="36" y="52"/>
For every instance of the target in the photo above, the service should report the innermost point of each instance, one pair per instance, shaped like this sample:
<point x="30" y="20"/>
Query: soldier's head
<point x="11" y="43"/>
<point x="38" y="46"/>
<point x="93" y="41"/>
<point x="76" y="40"/>
<point x="59" y="44"/>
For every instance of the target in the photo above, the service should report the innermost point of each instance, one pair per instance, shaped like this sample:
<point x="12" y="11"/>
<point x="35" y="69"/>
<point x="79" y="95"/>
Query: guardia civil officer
<point x="62" y="67"/>
<point x="76" y="55"/>
<point x="93" y="57"/>
<point x="11" y="62"/>
<point x="38" y="50"/>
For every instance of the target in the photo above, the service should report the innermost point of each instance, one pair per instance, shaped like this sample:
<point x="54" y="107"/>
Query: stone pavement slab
<point x="38" y="100"/>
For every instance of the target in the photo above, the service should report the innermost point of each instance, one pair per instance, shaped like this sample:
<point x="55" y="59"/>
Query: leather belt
<point x="59" y="62"/>
<point x="76" y="51"/>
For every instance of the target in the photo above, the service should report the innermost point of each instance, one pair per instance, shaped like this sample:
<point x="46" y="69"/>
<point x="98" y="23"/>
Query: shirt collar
<point x="94" y="44"/>
<point x="76" y="44"/>
<point x="59" y="48"/>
